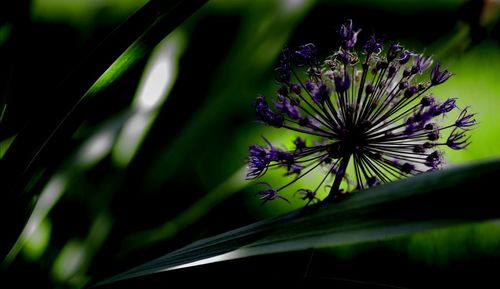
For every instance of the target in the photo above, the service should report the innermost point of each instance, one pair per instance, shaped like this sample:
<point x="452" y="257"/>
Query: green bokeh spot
<point x="69" y="261"/>
<point x="37" y="243"/>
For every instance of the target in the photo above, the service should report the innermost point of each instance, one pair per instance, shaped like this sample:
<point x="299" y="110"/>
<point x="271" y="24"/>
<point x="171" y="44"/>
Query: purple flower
<point x="457" y="140"/>
<point x="258" y="160"/>
<point x="344" y="56"/>
<point x="308" y="195"/>
<point x="284" y="68"/>
<point x="438" y="77"/>
<point x="348" y="36"/>
<point x="310" y="86"/>
<point x="434" y="160"/>
<point x="442" y="108"/>
<point x="420" y="64"/>
<point x="394" y="51"/>
<point x="373" y="45"/>
<point x="369" y="117"/>
<point x="410" y="91"/>
<point x="342" y="82"/>
<point x="269" y="194"/>
<point x="427" y="100"/>
<point x="286" y="106"/>
<point x="295" y="88"/>
<point x="405" y="57"/>
<point x="407" y="168"/>
<point x="320" y="93"/>
<point x="294" y="169"/>
<point x="306" y="54"/>
<point x="265" y="114"/>
<point x="448" y="105"/>
<point x="299" y="143"/>
<point x="465" y="121"/>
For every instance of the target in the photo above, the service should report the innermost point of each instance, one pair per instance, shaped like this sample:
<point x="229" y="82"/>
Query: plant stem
<point x="335" y="190"/>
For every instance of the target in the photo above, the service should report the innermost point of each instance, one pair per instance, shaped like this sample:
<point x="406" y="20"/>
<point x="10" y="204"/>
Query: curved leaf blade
<point x="449" y="197"/>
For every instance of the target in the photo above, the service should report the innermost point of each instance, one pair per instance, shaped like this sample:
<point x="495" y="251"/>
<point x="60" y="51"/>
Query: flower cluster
<point x="373" y="117"/>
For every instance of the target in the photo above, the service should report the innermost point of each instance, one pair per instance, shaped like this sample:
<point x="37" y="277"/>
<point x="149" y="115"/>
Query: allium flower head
<point x="365" y="119"/>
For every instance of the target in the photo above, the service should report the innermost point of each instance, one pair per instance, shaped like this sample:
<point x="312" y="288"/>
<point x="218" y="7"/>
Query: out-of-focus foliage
<point x="82" y="13"/>
<point x="157" y="159"/>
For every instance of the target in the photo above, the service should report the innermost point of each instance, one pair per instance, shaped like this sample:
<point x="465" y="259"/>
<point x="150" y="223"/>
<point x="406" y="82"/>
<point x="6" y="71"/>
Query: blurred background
<point x="158" y="158"/>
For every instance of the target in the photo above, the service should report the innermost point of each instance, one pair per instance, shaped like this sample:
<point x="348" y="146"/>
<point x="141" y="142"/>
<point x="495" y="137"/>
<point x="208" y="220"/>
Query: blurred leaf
<point x="49" y="196"/>
<point x="103" y="140"/>
<point x="121" y="51"/>
<point x="71" y="263"/>
<point x="195" y="212"/>
<point x="82" y="12"/>
<point x="5" y="32"/>
<point x="157" y="81"/>
<point x="449" y="197"/>
<point x="2" y="113"/>
<point x="5" y="144"/>
<point x="39" y="241"/>
<point x="265" y="28"/>
<point x="444" y="247"/>
<point x="90" y="152"/>
<point x="408" y="6"/>
<point x="67" y="263"/>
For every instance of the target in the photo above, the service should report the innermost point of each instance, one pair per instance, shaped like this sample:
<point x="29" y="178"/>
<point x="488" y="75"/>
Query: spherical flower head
<point x="368" y="120"/>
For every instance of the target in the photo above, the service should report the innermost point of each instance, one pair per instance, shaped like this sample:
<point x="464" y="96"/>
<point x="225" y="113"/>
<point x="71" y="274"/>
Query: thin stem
<point x="306" y="131"/>
<point x="321" y="115"/>
<point x="299" y="177"/>
<point x="335" y="189"/>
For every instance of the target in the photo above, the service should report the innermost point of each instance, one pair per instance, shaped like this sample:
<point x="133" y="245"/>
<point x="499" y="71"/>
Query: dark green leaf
<point x="449" y="197"/>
